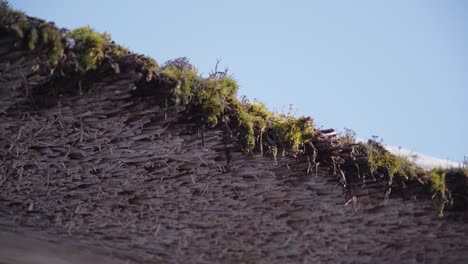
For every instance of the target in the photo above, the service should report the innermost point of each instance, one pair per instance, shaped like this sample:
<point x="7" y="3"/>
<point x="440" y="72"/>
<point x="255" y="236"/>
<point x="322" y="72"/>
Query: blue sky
<point x="397" y="69"/>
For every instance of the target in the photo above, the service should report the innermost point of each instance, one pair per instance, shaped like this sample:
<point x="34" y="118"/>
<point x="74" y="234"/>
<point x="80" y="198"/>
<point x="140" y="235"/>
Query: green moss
<point x="150" y="66"/>
<point x="183" y="73"/>
<point x="439" y="188"/>
<point x="17" y="30"/>
<point x="32" y="32"/>
<point x="209" y="99"/>
<point x="260" y="115"/>
<point x="213" y="96"/>
<point x="13" y="20"/>
<point x="36" y="34"/>
<point x="407" y="170"/>
<point x="119" y="50"/>
<point x="348" y="137"/>
<point x="33" y="38"/>
<point x="395" y="168"/>
<point x="290" y="132"/>
<point x="51" y="39"/>
<point x="286" y="131"/>
<point x="381" y="160"/>
<point x="247" y="134"/>
<point x="90" y="46"/>
<point x="438" y="181"/>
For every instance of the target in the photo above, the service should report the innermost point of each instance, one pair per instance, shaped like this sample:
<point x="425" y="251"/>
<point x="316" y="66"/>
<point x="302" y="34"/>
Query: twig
<point x="204" y="162"/>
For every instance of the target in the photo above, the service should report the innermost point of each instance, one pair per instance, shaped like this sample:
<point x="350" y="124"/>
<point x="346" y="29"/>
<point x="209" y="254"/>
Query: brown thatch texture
<point x="115" y="171"/>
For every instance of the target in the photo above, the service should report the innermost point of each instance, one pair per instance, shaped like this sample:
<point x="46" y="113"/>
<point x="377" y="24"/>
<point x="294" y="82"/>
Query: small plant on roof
<point x="396" y="170"/>
<point x="185" y="75"/>
<point x="33" y="38"/>
<point x="381" y="161"/>
<point x="51" y="38"/>
<point x="290" y="132"/>
<point x="92" y="47"/>
<point x="213" y="98"/>
<point x="347" y="137"/>
<point x="261" y="119"/>
<point x="246" y="135"/>
<point x="150" y="66"/>
<point x="89" y="44"/>
<point x="260" y="114"/>
<point x="439" y="188"/>
<point x="32" y="32"/>
<point x="12" y="20"/>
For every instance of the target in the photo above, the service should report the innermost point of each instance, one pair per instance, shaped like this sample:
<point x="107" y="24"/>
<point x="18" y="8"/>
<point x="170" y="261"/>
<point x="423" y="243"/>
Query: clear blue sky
<point x="397" y="69"/>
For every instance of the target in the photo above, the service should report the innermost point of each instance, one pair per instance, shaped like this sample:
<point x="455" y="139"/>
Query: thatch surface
<point x="116" y="173"/>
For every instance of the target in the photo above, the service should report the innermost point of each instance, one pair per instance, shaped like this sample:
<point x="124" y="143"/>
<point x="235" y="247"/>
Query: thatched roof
<point x="95" y="157"/>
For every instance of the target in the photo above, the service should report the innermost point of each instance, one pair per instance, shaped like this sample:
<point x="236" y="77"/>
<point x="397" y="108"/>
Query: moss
<point x="207" y="100"/>
<point x="210" y="99"/>
<point x="33" y="38"/>
<point x="247" y="134"/>
<point x="261" y="118"/>
<point x="90" y="46"/>
<point x="150" y="66"/>
<point x="44" y="40"/>
<point x="260" y="115"/>
<point x="119" y="50"/>
<point x="13" y="20"/>
<point x="51" y="39"/>
<point x="408" y="170"/>
<point x="396" y="169"/>
<point x="33" y="33"/>
<point x="438" y="181"/>
<point x="285" y="131"/>
<point x="214" y="96"/>
<point x="17" y="30"/>
<point x="439" y="188"/>
<point x="290" y="132"/>
<point x="381" y="160"/>
<point x="183" y="73"/>
<point x="347" y="137"/>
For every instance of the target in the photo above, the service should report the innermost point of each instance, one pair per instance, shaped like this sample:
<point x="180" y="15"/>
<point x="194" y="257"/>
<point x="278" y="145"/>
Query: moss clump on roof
<point x="90" y="46"/>
<point x="247" y="132"/>
<point x="448" y="187"/>
<point x="290" y="132"/>
<point x="51" y="39"/>
<point x="395" y="168"/>
<point x="33" y="33"/>
<point x="206" y="99"/>
<point x="186" y="78"/>
<point x="150" y="66"/>
<point x="13" y="20"/>
<point x="256" y="126"/>
<point x="261" y="119"/>
<point x="213" y="99"/>
<point x="260" y="115"/>
<point x="439" y="188"/>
